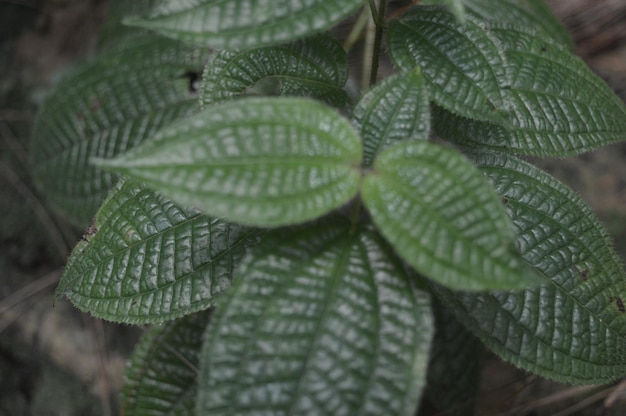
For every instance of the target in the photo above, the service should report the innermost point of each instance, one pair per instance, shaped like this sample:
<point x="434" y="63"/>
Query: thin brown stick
<point x="7" y="134"/>
<point x="368" y="52"/>
<point x="619" y="392"/>
<point x="59" y="236"/>
<point x="551" y="399"/>
<point x="584" y="403"/>
<point x="18" y="299"/>
<point x="103" y="366"/>
<point x="182" y="358"/>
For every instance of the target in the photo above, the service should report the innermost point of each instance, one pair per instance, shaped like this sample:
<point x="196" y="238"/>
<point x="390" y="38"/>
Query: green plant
<point x="340" y="244"/>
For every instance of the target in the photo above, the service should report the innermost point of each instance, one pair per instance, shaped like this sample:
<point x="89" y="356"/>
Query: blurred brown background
<point x="57" y="361"/>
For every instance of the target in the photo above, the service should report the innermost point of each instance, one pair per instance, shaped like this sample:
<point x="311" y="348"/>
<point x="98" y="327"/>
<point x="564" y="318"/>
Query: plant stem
<point x="378" y="15"/>
<point x="368" y="50"/>
<point x="357" y="30"/>
<point x="356" y="213"/>
<point x="374" y="7"/>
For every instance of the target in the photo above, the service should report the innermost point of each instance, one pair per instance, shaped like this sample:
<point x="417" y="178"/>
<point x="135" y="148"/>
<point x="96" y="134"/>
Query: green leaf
<point x="534" y="14"/>
<point x="560" y="107"/>
<point x="457" y="7"/>
<point x="456" y="361"/>
<point x="114" y="33"/>
<point x="461" y="63"/>
<point x="574" y="329"/>
<point x="102" y="109"/>
<point x="146" y="260"/>
<point x="396" y="109"/>
<point x="316" y="67"/>
<point x="258" y="161"/>
<point x="241" y="24"/>
<point x="322" y="321"/>
<point x="443" y="217"/>
<point x="161" y="377"/>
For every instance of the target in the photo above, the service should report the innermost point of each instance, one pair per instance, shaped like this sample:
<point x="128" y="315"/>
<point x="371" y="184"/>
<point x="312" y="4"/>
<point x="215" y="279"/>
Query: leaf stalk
<point x="379" y="10"/>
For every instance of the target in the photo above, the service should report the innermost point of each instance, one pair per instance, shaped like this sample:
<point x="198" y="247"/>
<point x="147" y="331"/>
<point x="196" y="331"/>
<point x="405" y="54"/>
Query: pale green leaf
<point x="102" y="109"/>
<point x="394" y="110"/>
<point x="443" y="217"/>
<point x="316" y="67"/>
<point x="258" y="161"/>
<point x="161" y="376"/>
<point x="323" y="321"/>
<point x="574" y="329"/>
<point x="145" y="259"/>
<point x="240" y="24"/>
<point x="461" y="63"/>
<point x="457" y="7"/>
<point x="559" y="106"/>
<point x="527" y="13"/>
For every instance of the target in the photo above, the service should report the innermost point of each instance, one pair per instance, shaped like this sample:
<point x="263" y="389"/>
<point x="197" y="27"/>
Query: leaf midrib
<point x="459" y="70"/>
<point x="142" y="242"/>
<point x="460" y="271"/>
<point x="331" y="298"/>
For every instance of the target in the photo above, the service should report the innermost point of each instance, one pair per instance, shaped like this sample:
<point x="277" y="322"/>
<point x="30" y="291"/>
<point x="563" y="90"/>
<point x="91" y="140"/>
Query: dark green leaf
<point x="443" y="217"/>
<point x="114" y="33"/>
<point x="574" y="329"/>
<point x="559" y="106"/>
<point x="454" y="367"/>
<point x="457" y="7"/>
<point x="161" y="377"/>
<point x="147" y="260"/>
<point x="527" y="13"/>
<point x="316" y="67"/>
<point x="240" y="24"/>
<point x="259" y="161"/>
<point x="397" y="109"/>
<point x="104" y="108"/>
<point x="461" y="63"/>
<point x="323" y="321"/>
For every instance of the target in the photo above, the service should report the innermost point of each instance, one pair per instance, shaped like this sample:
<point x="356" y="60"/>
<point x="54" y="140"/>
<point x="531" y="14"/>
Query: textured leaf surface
<point x="559" y="107"/>
<point x="455" y="365"/>
<point x="323" y="321"/>
<point x="259" y="161"/>
<point x="316" y="67"/>
<point x="104" y="108"/>
<point x="443" y="217"/>
<point x="455" y="6"/>
<point x="397" y="109"/>
<point x="240" y="24"/>
<point x="161" y="377"/>
<point x="574" y="329"/>
<point x="147" y="260"/>
<point x="526" y="13"/>
<point x="461" y="62"/>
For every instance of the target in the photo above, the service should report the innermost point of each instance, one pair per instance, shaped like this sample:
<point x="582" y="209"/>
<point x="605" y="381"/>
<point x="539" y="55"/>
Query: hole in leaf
<point x="193" y="77"/>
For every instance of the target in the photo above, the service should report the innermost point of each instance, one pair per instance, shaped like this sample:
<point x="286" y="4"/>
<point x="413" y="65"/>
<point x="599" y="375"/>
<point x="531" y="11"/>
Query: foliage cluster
<point x="348" y="241"/>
